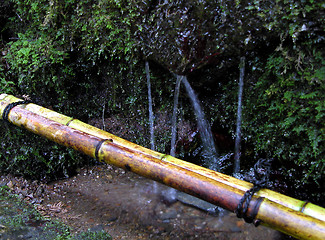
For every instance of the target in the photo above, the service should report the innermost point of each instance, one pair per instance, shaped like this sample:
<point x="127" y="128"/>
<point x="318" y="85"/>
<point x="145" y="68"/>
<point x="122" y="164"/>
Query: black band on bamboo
<point x="10" y="106"/>
<point x="254" y="213"/>
<point x="243" y="205"/>
<point x="262" y="171"/>
<point x="99" y="146"/>
<point x="302" y="209"/>
<point x="68" y="123"/>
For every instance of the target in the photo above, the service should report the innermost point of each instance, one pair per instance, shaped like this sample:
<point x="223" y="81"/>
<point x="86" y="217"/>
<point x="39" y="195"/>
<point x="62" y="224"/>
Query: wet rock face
<point x="186" y="35"/>
<point x="179" y="34"/>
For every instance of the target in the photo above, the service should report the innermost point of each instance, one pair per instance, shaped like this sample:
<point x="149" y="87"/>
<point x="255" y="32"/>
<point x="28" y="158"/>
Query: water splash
<point x="210" y="153"/>
<point x="151" y="116"/>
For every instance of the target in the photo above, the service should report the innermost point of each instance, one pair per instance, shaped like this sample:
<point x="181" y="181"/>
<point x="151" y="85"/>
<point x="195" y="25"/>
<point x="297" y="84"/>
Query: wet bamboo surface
<point x="294" y="217"/>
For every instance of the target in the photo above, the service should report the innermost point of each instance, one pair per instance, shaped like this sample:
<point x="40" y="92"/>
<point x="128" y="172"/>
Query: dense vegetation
<point x="83" y="58"/>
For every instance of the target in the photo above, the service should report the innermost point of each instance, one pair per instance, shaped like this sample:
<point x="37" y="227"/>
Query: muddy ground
<point x="128" y="206"/>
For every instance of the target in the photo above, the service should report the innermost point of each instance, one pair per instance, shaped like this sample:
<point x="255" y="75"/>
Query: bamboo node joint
<point x="10" y="106"/>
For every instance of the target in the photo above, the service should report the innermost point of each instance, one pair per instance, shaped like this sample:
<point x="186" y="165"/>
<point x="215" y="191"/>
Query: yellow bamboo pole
<point x="295" y="204"/>
<point x="296" y="218"/>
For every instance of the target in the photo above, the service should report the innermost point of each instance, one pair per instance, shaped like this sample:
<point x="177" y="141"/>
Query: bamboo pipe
<point x="170" y="171"/>
<point x="295" y="204"/>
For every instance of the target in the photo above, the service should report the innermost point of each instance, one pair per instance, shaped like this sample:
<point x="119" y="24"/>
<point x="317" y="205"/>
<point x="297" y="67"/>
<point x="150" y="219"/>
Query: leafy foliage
<point x="61" y="47"/>
<point x="6" y="86"/>
<point x="284" y="90"/>
<point x="288" y="120"/>
<point x="286" y="112"/>
<point x="66" y="54"/>
<point x="25" y="154"/>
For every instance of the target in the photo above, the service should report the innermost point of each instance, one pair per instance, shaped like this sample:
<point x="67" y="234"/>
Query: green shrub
<point x="25" y="154"/>
<point x="286" y="114"/>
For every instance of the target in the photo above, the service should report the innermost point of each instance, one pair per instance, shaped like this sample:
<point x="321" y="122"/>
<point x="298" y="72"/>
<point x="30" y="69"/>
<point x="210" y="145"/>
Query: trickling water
<point x="151" y="116"/>
<point x="171" y="193"/>
<point x="174" y="117"/>
<point x="239" y="116"/>
<point x="151" y="120"/>
<point x="210" y="152"/>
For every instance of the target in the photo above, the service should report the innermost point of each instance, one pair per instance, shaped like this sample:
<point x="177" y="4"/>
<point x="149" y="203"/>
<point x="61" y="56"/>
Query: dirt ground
<point x="128" y="206"/>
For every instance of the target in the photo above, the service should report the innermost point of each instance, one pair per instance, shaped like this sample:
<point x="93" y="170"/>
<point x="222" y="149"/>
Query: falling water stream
<point x="210" y="153"/>
<point x="174" y="117"/>
<point x="171" y="195"/>
<point x="239" y="115"/>
<point x="151" y="116"/>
